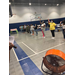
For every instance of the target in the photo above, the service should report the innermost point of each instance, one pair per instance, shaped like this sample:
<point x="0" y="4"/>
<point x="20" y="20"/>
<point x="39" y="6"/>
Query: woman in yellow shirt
<point x="52" y="28"/>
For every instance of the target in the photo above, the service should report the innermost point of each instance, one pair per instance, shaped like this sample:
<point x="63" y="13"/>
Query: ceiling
<point x="37" y="2"/>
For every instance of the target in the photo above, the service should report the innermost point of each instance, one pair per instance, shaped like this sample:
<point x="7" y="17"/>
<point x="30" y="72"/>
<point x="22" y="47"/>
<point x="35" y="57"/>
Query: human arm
<point x="10" y="46"/>
<point x="38" y="26"/>
<point x="33" y="26"/>
<point x="40" y="21"/>
<point x="60" y="23"/>
<point x="48" y="21"/>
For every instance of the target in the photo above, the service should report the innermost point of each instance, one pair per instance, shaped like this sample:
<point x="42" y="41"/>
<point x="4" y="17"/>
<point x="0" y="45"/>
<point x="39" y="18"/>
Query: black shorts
<point x="24" y="29"/>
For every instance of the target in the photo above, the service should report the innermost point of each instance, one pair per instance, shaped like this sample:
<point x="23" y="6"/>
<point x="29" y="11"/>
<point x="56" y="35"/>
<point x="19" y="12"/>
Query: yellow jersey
<point x="52" y="26"/>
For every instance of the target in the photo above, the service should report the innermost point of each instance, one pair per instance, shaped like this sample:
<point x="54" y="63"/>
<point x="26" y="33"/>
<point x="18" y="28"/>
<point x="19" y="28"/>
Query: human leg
<point x="36" y="32"/>
<point x="43" y="32"/>
<point x="32" y="32"/>
<point x="53" y="33"/>
<point x="64" y="33"/>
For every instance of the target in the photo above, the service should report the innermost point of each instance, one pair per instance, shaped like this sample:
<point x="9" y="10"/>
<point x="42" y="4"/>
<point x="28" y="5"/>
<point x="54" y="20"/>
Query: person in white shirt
<point x="32" y="29"/>
<point x="62" y="23"/>
<point x="43" y="27"/>
<point x="24" y="28"/>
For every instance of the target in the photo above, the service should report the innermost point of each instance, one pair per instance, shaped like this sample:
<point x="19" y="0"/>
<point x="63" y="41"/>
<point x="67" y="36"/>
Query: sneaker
<point x="32" y="34"/>
<point x="43" y="37"/>
<point x="53" y="37"/>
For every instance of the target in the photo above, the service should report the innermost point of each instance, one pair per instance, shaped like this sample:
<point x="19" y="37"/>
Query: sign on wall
<point x="35" y="16"/>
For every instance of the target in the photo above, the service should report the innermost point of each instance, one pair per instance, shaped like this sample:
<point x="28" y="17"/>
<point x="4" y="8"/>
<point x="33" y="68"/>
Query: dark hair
<point x="52" y="20"/>
<point x="63" y="21"/>
<point x="42" y="21"/>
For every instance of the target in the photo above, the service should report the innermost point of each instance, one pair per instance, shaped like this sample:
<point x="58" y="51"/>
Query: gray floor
<point x="35" y="47"/>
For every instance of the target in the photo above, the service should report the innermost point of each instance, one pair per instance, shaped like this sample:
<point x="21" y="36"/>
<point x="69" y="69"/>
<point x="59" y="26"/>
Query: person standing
<point x="24" y="28"/>
<point x="36" y="29"/>
<point x="21" y="28"/>
<point x="62" y="23"/>
<point x="43" y="27"/>
<point x="52" y="28"/>
<point x="32" y="29"/>
<point x="28" y="28"/>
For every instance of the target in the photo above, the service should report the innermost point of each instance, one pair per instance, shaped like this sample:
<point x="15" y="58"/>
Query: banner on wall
<point x="35" y="16"/>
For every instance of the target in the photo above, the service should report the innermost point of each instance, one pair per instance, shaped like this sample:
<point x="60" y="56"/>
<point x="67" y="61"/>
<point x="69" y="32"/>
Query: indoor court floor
<point x="27" y="58"/>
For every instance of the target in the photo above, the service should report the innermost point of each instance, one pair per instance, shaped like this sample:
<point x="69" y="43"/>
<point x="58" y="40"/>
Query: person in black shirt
<point x="36" y="29"/>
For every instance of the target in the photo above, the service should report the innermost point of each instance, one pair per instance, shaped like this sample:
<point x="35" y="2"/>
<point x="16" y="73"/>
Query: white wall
<point x="62" y="10"/>
<point x="23" y="13"/>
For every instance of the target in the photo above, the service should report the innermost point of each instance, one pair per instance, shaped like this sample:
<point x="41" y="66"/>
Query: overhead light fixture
<point x="45" y="4"/>
<point x="9" y="3"/>
<point x="29" y="3"/>
<point x="57" y="4"/>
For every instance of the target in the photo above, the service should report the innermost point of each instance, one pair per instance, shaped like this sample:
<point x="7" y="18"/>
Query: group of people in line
<point x="30" y="29"/>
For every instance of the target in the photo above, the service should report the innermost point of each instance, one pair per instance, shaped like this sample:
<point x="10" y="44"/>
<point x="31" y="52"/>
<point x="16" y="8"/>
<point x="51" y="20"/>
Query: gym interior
<point x="37" y="52"/>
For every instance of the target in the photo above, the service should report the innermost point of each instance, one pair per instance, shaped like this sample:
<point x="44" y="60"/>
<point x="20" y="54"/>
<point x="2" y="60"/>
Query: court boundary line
<point x="27" y="57"/>
<point x="15" y="54"/>
<point x="41" y="51"/>
<point x="29" y="48"/>
<point x="50" y="48"/>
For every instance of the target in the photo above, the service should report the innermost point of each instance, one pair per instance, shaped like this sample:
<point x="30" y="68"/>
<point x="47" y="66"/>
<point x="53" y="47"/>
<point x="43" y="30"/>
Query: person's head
<point x="52" y="21"/>
<point x="30" y="24"/>
<point x="35" y="24"/>
<point x="63" y="22"/>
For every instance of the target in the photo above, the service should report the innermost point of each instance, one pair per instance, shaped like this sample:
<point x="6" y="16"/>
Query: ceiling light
<point x="9" y="3"/>
<point x="57" y="4"/>
<point x="29" y="3"/>
<point x="45" y="4"/>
